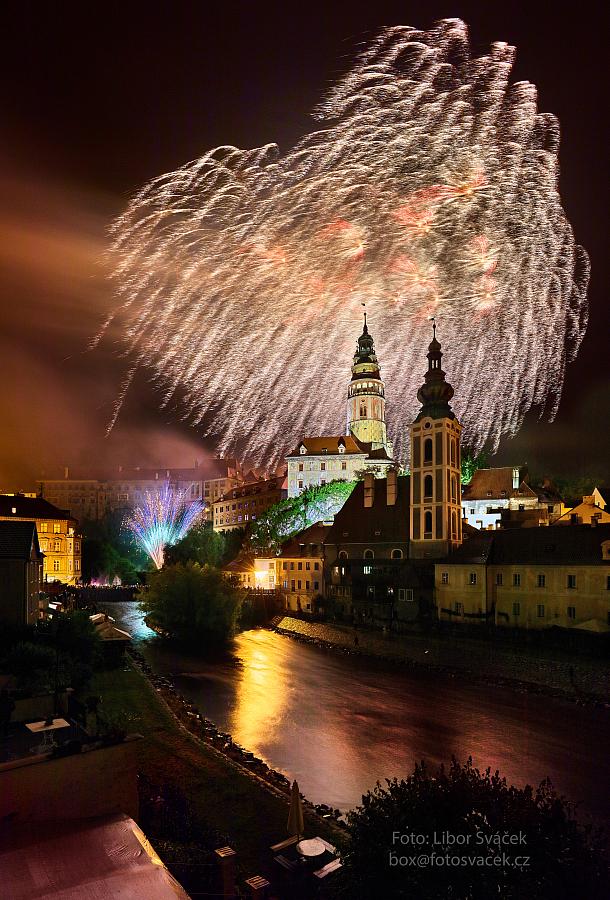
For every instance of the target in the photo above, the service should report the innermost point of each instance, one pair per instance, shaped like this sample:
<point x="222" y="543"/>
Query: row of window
<point x="56" y="546"/>
<point x="405" y="595"/>
<point x="323" y="467"/>
<point x="316" y="565"/>
<point x="540" y="610"/>
<point x="56" y="567"/>
<point x="44" y="527"/>
<point x="571" y="582"/>
<point x="370" y="554"/>
<point x="243" y="504"/>
<point x="299" y="585"/>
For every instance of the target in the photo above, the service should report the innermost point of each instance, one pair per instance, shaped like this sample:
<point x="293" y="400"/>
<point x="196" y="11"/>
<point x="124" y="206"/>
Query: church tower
<point x="366" y="397"/>
<point x="436" y="508"/>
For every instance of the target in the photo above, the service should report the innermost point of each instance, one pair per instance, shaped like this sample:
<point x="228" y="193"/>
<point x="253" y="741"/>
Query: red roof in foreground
<point x="103" y="858"/>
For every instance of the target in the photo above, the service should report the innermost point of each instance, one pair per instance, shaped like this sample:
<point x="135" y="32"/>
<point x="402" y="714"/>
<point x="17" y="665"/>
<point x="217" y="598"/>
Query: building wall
<point x="515" y="602"/>
<point x="436" y="511"/>
<point x="300" y="580"/>
<point x="230" y="513"/>
<point x="366" y="411"/>
<point x="93" y="783"/>
<point x="311" y="471"/>
<point x="61" y="545"/>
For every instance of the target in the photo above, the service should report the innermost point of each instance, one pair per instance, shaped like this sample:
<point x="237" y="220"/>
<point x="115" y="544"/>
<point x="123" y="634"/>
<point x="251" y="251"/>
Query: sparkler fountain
<point x="164" y="518"/>
<point x="429" y="189"/>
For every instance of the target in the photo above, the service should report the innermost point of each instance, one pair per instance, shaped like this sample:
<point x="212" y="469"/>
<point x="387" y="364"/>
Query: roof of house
<point x="255" y="487"/>
<point x="207" y="470"/>
<point x="495" y="483"/>
<point x="17" y="539"/>
<point x="314" y="535"/>
<point x="317" y="446"/>
<point x="578" y="545"/>
<point x="30" y="508"/>
<point x="240" y="564"/>
<point x="357" y="524"/>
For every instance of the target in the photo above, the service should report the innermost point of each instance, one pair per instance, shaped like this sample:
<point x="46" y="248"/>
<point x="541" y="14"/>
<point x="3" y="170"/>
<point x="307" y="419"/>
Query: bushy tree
<point x="471" y="462"/>
<point x="201" y="544"/>
<point x="110" y="551"/>
<point x="192" y="603"/>
<point x="288" y="517"/>
<point x="564" y="859"/>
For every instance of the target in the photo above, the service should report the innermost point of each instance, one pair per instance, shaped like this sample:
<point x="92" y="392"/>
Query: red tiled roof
<point x="330" y="444"/>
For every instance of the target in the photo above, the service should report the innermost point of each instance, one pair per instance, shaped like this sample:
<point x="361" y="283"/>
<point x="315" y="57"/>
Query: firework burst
<point x="430" y="188"/>
<point x="164" y="518"/>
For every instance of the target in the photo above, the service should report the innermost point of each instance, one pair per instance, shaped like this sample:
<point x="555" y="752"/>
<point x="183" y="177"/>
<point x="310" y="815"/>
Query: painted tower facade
<point x="366" y="397"/>
<point x="435" y="513"/>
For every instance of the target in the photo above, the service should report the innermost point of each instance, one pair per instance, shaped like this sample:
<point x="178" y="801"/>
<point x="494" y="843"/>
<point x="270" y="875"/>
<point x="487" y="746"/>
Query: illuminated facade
<point x="531" y="578"/>
<point x="435" y="513"/>
<point x="58" y="535"/>
<point x="243" y="504"/>
<point x="316" y="461"/>
<point x="366" y="397"/>
<point x="496" y="496"/>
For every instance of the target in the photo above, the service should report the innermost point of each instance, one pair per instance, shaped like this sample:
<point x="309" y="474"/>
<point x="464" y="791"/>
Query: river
<point x="339" y="723"/>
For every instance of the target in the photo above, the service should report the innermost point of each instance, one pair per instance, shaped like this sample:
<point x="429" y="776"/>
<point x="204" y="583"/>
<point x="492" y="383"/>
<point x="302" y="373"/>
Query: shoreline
<point x="394" y="652"/>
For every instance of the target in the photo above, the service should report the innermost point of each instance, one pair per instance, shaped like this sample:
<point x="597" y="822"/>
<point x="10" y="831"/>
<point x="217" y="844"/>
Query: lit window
<point x="444" y="577"/>
<point x="56" y="528"/>
<point x="368" y="570"/>
<point x="56" y="565"/>
<point x="472" y="578"/>
<point x="44" y="526"/>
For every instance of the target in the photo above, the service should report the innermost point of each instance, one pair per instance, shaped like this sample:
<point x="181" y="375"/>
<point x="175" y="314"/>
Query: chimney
<point x="66" y="472"/>
<point x="369" y="489"/>
<point x="392" y="487"/>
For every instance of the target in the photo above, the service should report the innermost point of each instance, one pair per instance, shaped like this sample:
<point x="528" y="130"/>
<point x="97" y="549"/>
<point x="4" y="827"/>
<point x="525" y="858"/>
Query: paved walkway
<point x="494" y="662"/>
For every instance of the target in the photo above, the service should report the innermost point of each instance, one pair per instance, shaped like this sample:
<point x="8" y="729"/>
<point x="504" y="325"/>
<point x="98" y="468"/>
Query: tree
<point x="564" y="859"/>
<point x="192" y="603"/>
<point x="202" y="545"/>
<point x="471" y="462"/>
<point x="292" y="515"/>
<point x="109" y="551"/>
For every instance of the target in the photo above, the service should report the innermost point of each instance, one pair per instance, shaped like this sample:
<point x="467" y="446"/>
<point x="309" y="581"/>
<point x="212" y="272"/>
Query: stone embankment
<point x="190" y="718"/>
<point x="579" y="679"/>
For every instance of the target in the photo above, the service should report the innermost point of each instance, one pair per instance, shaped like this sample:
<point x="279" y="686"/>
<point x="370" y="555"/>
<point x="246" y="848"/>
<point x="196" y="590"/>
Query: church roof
<point x="356" y="523"/>
<point x="318" y="446"/>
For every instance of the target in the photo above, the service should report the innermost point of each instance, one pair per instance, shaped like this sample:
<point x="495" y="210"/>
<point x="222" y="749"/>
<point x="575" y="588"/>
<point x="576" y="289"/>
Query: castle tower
<point x="366" y="397"/>
<point x="436" y="509"/>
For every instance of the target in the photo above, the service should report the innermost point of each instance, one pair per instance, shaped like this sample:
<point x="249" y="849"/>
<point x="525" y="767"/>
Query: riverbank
<point x="227" y="798"/>
<point x="578" y="679"/>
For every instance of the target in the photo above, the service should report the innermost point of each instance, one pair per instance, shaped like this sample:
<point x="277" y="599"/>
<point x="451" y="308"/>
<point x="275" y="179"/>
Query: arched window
<point x="342" y="554"/>
<point x="428" y="450"/>
<point x="428" y="486"/>
<point x="396" y="554"/>
<point x="369" y="554"/>
<point x="428" y="524"/>
<point x="363" y="410"/>
<point x="452" y="451"/>
<point x="453" y="488"/>
<point x="454" y="526"/>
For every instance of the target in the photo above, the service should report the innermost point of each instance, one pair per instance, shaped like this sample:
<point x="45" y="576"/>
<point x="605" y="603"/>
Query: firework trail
<point x="164" y="518"/>
<point x="430" y="189"/>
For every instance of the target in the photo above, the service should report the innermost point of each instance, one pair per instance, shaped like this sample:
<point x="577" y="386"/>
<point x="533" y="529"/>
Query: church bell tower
<point x="366" y="396"/>
<point x="436" y="507"/>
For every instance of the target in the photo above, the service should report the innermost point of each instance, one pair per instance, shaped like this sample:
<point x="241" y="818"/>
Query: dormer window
<point x="302" y="449"/>
<point x="341" y="448"/>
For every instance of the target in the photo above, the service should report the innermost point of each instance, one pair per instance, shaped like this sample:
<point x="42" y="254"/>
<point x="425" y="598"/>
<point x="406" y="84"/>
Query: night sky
<point x="98" y="98"/>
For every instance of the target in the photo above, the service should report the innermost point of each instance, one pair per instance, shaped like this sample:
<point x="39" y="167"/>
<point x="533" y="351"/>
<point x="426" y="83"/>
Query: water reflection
<point x="340" y="723"/>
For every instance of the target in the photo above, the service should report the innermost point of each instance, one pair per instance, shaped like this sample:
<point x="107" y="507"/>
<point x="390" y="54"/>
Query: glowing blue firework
<point x="164" y="518"/>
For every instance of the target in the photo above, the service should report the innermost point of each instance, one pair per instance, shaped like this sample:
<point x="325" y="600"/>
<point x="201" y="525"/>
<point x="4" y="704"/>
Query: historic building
<point x="365" y="447"/>
<point x="58" y="534"/>
<point x="242" y="505"/>
<point x="492" y="492"/>
<point x="435" y="511"/>
<point x="592" y="511"/>
<point x="20" y="573"/>
<point x="300" y="568"/>
<point x="121" y="490"/>
<point x="529" y="578"/>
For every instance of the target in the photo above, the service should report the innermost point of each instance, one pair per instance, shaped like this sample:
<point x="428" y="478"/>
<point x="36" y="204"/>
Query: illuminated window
<point x="472" y="578"/>
<point x="44" y="526"/>
<point x="56" y="565"/>
<point x="57" y="546"/>
<point x="368" y="570"/>
<point x="56" y="528"/>
<point x="444" y="577"/>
